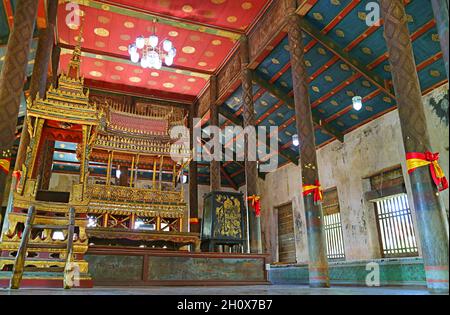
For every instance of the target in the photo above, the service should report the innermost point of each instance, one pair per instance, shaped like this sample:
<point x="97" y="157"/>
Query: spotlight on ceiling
<point x="295" y="140"/>
<point x="357" y="103"/>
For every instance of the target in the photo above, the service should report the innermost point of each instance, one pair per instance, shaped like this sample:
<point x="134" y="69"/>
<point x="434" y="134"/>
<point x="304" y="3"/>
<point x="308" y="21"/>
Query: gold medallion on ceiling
<point x="289" y="134"/>
<point x="350" y="93"/>
<point x="387" y="99"/>
<point x="280" y="115"/>
<point x="354" y="117"/>
<point x="247" y="5"/>
<point x="308" y="63"/>
<point x="387" y="68"/>
<point x="322" y="111"/>
<point x="409" y="18"/>
<point x="366" y="50"/>
<point x="335" y="2"/>
<point x="334" y="103"/>
<point x="340" y="33"/>
<point x="271" y="122"/>
<point x="435" y="37"/>
<point x="321" y="51"/>
<point x="435" y="73"/>
<point x="362" y="16"/>
<point x="275" y="61"/>
<point x="366" y="84"/>
<point x="340" y="123"/>
<point x="264" y="103"/>
<point x="315" y="89"/>
<point x="345" y="67"/>
<point x="284" y="84"/>
<point x="369" y="108"/>
<point x="318" y="16"/>
<point x="328" y="78"/>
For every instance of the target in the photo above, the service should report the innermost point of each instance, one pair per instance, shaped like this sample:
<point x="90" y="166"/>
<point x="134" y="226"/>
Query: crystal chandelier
<point x="151" y="52"/>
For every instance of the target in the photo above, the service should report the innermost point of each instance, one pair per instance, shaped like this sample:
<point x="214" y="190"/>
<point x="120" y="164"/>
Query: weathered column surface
<point x="12" y="76"/>
<point x="214" y="172"/>
<point x="416" y="139"/>
<point x="251" y="170"/>
<point x="440" y="8"/>
<point x="39" y="78"/>
<point x="318" y="263"/>
<point x="193" y="177"/>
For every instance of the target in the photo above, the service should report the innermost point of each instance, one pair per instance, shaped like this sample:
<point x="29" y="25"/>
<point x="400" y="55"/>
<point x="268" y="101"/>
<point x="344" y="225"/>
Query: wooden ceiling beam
<point x="346" y="57"/>
<point x="290" y="101"/>
<point x="160" y="18"/>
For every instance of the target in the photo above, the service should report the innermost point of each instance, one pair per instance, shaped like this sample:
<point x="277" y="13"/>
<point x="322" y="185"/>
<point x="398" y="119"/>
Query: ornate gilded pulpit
<point x="223" y="220"/>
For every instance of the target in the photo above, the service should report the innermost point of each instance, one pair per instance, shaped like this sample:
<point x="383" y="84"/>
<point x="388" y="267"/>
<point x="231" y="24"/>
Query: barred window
<point x="396" y="227"/>
<point x="333" y="225"/>
<point x="393" y="213"/>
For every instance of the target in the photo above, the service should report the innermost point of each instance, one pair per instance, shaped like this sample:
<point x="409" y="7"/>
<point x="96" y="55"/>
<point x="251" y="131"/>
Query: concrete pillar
<point x="251" y="169"/>
<point x="214" y="171"/>
<point x="431" y="227"/>
<point x="440" y="8"/>
<point x="12" y="76"/>
<point x="318" y="263"/>
<point x="193" y="177"/>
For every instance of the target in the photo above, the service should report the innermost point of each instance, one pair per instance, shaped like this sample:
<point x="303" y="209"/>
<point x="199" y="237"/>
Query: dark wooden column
<point x="12" y="77"/>
<point x="39" y="78"/>
<point x="440" y="8"/>
<point x="193" y="176"/>
<point x="251" y="169"/>
<point x="214" y="172"/>
<point x="416" y="139"/>
<point x="124" y="176"/>
<point x="318" y="263"/>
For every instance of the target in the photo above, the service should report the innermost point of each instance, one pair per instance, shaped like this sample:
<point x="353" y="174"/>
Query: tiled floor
<point x="232" y="290"/>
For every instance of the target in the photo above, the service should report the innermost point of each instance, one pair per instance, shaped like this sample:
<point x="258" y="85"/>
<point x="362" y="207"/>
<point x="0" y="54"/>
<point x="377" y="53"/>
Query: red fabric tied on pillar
<point x="315" y="189"/>
<point x="415" y="160"/>
<point x="256" y="204"/>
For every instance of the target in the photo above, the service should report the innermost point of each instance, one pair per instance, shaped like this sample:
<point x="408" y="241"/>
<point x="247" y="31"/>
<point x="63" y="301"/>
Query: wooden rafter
<point x="346" y="57"/>
<point x="286" y="153"/>
<point x="288" y="100"/>
<point x="228" y="177"/>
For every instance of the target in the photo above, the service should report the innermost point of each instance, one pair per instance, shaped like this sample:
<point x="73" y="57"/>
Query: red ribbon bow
<point x="256" y="204"/>
<point x="415" y="160"/>
<point x="316" y="189"/>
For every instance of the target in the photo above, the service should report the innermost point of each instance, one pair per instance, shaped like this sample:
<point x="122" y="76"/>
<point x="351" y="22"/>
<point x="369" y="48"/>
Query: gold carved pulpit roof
<point x="69" y="101"/>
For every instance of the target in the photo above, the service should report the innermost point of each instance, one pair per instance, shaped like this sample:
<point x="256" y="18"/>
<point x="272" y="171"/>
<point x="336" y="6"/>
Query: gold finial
<point x="74" y="65"/>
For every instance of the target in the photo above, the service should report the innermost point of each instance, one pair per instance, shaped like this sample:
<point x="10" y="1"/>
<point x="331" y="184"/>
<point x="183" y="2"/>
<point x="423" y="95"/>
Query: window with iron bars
<point x="395" y="227"/>
<point x="393" y="214"/>
<point x="333" y="225"/>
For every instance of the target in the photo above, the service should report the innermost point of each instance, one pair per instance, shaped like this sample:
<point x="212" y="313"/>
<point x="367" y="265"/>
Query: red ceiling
<point x="107" y="35"/>
<point x="231" y="14"/>
<point x="135" y="76"/>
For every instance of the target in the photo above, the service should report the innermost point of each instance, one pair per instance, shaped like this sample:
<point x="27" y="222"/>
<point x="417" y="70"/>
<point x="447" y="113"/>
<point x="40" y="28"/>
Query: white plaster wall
<point x="367" y="150"/>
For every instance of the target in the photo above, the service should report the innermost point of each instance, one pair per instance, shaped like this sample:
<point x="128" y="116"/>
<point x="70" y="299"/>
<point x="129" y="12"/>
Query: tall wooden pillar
<point x="440" y="8"/>
<point x="318" y="263"/>
<point x="416" y="139"/>
<point x="214" y="121"/>
<point x="124" y="176"/>
<point x="193" y="176"/>
<point x="251" y="169"/>
<point x="12" y="76"/>
<point x="38" y="82"/>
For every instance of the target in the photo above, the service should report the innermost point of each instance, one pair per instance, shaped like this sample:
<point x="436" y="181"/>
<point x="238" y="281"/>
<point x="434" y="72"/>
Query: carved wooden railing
<point x="134" y="195"/>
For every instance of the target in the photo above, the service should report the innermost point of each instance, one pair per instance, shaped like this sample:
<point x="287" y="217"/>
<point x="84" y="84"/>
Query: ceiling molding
<point x="163" y="19"/>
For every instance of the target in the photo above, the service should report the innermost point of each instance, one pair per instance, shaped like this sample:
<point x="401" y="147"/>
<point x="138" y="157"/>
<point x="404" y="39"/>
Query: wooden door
<point x="286" y="237"/>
